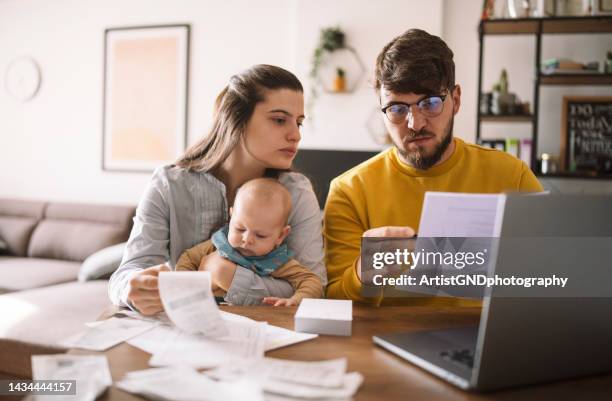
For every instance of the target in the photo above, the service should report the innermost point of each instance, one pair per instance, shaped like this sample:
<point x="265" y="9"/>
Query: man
<point x="383" y="197"/>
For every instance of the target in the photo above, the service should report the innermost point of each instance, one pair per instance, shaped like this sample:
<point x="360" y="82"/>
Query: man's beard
<point x="418" y="158"/>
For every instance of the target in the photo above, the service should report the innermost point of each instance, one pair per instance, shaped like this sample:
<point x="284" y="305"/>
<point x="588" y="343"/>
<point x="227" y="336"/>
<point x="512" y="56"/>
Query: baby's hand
<point x="274" y="301"/>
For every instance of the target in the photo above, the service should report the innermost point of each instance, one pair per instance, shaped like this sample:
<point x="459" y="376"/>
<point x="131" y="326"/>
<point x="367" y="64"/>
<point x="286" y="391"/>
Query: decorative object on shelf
<point x="608" y="65"/>
<point x="331" y="54"/>
<point x="513" y="146"/>
<point x="145" y="96"/>
<point x="502" y="101"/>
<point x="499" y="144"/>
<point x="525" y="151"/>
<point x="586" y="129"/>
<point x="549" y="164"/>
<point x="340" y="81"/>
<point x="601" y="7"/>
<point x="22" y="78"/>
<point x="485" y="103"/>
<point x="488" y="9"/>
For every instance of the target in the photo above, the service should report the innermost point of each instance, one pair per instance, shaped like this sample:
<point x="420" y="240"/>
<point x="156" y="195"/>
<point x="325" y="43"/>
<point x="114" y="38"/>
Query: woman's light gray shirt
<point x="180" y="208"/>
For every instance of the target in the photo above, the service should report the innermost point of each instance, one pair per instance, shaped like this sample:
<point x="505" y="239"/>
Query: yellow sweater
<point x="384" y="191"/>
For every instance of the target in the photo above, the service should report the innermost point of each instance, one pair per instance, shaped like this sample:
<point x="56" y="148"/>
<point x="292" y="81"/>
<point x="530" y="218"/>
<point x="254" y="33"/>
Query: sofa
<point x="54" y="261"/>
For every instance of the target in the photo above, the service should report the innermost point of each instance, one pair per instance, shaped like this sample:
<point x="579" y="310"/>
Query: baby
<point x="254" y="239"/>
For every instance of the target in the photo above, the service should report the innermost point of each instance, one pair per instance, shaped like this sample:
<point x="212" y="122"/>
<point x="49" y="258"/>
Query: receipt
<point x="330" y="373"/>
<point x="108" y="333"/>
<point x="90" y="372"/>
<point x="190" y="304"/>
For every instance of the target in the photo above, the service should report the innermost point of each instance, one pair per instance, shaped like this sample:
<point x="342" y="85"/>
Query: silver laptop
<point x="529" y="339"/>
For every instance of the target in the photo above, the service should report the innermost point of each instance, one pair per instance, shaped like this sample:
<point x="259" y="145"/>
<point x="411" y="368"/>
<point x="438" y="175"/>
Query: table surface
<point x="386" y="376"/>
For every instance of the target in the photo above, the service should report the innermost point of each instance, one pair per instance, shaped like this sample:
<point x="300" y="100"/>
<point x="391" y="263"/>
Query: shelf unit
<point x="539" y="27"/>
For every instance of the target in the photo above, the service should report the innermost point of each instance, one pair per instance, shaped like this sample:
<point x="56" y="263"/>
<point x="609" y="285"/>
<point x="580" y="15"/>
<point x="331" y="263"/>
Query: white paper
<point x="447" y="214"/>
<point x="185" y="384"/>
<point x="278" y="337"/>
<point x="350" y="385"/>
<point x="244" y="340"/>
<point x="154" y="340"/>
<point x="90" y="372"/>
<point x="328" y="309"/>
<point x="329" y="373"/>
<point x="190" y="304"/>
<point x="108" y="334"/>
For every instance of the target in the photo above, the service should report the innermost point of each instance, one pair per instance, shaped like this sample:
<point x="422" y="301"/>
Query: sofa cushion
<point x="102" y="264"/>
<point x="44" y="316"/>
<point x="3" y="247"/>
<point x="17" y="274"/>
<point x="17" y="220"/>
<point x="75" y="231"/>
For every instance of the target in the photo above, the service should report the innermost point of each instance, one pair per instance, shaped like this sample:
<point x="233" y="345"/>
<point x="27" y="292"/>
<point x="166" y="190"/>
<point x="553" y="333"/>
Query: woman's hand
<point x="144" y="291"/>
<point x="221" y="270"/>
<point x="274" y="301"/>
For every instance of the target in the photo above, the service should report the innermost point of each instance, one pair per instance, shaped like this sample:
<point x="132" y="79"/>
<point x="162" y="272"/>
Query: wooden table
<point x="387" y="377"/>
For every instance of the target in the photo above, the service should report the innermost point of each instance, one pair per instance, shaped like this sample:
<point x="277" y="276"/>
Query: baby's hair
<point x="269" y="191"/>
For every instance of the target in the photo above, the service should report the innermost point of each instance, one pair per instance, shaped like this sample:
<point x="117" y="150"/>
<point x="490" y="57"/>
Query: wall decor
<point x="22" y="78"/>
<point x="586" y="129"/>
<point x="146" y="73"/>
<point x="336" y="66"/>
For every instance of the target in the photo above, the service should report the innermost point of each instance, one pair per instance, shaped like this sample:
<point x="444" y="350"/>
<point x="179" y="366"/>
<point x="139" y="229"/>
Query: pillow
<point x="3" y="247"/>
<point x="101" y="264"/>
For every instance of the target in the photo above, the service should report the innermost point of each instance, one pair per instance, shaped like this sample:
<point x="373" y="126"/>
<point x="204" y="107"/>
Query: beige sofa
<point x="43" y="247"/>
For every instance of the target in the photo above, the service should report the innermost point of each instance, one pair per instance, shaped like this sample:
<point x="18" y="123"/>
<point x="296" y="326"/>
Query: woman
<point x="255" y="133"/>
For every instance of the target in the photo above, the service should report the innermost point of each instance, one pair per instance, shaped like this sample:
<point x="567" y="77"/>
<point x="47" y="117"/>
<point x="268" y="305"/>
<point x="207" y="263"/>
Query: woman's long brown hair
<point x="233" y="109"/>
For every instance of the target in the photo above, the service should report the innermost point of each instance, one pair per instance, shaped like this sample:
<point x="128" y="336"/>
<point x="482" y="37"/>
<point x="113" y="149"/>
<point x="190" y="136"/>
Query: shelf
<point x="522" y="26"/>
<point x="576" y="79"/>
<point x="584" y="176"/>
<point x="506" y="119"/>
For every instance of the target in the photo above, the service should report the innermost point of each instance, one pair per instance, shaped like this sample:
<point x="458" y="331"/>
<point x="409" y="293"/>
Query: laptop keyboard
<point x="462" y="356"/>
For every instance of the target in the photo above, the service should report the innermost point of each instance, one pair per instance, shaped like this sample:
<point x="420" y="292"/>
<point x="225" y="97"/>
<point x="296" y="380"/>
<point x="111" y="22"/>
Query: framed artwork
<point x="586" y="134"/>
<point x="146" y="75"/>
<point x="602" y="7"/>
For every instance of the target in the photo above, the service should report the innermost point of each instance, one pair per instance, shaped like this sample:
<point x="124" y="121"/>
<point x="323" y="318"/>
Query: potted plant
<point x="340" y="81"/>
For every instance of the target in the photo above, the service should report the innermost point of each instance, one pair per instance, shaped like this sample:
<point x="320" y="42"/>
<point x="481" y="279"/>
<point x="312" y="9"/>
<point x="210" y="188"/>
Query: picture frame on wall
<point x="586" y="135"/>
<point x="601" y="7"/>
<point x="146" y="81"/>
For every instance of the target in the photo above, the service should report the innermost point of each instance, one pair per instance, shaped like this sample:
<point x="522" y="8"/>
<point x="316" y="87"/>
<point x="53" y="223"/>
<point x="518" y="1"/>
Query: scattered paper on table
<point x="349" y="387"/>
<point x="244" y="340"/>
<point x="278" y="337"/>
<point x="90" y="372"/>
<point x="108" y="334"/>
<point x="190" y="304"/>
<point x="185" y="384"/>
<point x="328" y="373"/>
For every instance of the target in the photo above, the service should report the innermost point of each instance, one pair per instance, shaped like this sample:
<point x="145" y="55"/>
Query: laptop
<point x="529" y="338"/>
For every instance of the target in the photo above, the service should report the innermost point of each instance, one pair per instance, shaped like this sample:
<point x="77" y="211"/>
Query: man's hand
<point x="274" y="301"/>
<point x="221" y="270"/>
<point x="144" y="292"/>
<point x="389" y="232"/>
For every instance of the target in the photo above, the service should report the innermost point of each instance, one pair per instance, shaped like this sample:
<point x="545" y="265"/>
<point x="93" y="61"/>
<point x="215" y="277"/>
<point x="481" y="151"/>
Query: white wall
<point x="50" y="147"/>
<point x="339" y="121"/>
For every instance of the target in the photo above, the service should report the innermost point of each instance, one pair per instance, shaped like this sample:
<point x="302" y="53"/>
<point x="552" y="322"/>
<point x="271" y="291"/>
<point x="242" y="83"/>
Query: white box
<point x="324" y="316"/>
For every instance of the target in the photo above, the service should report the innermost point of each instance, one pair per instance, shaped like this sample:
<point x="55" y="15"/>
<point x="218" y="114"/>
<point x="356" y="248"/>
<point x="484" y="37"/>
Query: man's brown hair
<point x="415" y="62"/>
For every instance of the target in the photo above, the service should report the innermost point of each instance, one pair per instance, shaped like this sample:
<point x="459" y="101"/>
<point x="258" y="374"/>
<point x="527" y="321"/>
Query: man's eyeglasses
<point x="430" y="106"/>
